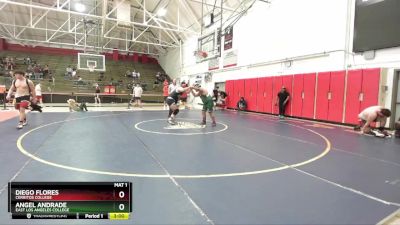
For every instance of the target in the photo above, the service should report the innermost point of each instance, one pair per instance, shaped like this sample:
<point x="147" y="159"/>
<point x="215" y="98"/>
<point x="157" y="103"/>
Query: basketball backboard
<point x="91" y="62"/>
<point x="209" y="46"/>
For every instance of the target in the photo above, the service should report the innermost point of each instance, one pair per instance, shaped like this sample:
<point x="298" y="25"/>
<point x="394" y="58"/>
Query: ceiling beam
<point x="212" y="4"/>
<point x="61" y="31"/>
<point x="191" y="12"/>
<point x="171" y="35"/>
<point x="182" y="29"/>
<point x="114" y="8"/>
<point x="63" y="5"/>
<point x="37" y="21"/>
<point x="171" y="45"/>
<point x="2" y="7"/>
<point x="58" y="29"/>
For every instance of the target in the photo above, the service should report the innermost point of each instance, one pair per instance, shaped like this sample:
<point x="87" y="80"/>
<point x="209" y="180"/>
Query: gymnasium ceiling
<point x="57" y="23"/>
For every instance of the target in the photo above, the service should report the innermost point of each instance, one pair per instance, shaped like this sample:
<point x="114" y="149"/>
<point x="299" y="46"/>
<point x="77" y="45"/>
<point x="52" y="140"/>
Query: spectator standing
<point x="46" y="70"/>
<point x="97" y="94"/>
<point x="165" y="93"/>
<point x="38" y="90"/>
<point x="282" y="100"/>
<point x="138" y="91"/>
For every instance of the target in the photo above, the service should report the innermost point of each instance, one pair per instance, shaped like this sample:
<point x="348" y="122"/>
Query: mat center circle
<point x="182" y="127"/>
<point x="220" y="127"/>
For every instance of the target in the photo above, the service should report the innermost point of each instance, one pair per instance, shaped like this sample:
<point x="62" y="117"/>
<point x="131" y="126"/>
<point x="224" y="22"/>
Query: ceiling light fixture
<point x="79" y="7"/>
<point x="161" y="12"/>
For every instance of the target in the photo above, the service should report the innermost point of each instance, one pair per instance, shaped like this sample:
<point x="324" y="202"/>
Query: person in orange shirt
<point x="165" y="93"/>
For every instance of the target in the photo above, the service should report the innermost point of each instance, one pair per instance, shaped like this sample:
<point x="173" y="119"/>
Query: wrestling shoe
<point x="171" y="121"/>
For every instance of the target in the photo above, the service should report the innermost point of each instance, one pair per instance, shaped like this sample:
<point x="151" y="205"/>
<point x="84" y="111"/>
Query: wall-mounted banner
<point x="230" y="58"/>
<point x="213" y="64"/>
<point x="228" y="38"/>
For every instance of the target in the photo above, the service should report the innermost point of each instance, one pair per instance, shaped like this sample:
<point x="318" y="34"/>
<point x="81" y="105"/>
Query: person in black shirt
<point x="282" y="100"/>
<point x="241" y="104"/>
<point x="215" y="95"/>
<point x="172" y="102"/>
<point x="397" y="128"/>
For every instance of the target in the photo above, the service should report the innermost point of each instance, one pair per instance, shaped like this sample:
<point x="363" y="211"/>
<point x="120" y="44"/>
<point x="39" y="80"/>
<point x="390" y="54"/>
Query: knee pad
<point x="176" y="111"/>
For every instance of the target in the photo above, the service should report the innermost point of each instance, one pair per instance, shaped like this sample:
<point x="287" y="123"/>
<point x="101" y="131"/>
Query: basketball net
<point x="200" y="55"/>
<point x="91" y="68"/>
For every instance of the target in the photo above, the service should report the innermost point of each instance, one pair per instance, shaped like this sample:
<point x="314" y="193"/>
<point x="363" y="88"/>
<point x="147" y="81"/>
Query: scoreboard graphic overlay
<point x="70" y="200"/>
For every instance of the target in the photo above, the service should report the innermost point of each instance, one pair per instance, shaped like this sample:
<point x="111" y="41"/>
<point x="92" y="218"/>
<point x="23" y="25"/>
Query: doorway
<point x="396" y="98"/>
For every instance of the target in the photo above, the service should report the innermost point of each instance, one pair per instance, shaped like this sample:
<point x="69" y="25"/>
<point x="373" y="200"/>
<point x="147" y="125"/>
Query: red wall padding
<point x="2" y="44"/>
<point x="229" y="91"/>
<point x="115" y="55"/>
<point x="238" y="91"/>
<point x="297" y="99"/>
<point x="264" y="94"/>
<point x="322" y="94"/>
<point x="309" y="95"/>
<point x="337" y="83"/>
<point x="370" y="88"/>
<point x="322" y="101"/>
<point x="354" y="82"/>
<point x="250" y="93"/>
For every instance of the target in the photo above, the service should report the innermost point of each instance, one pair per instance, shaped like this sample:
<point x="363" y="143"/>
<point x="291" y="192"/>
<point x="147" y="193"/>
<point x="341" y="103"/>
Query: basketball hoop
<point x="200" y="55"/>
